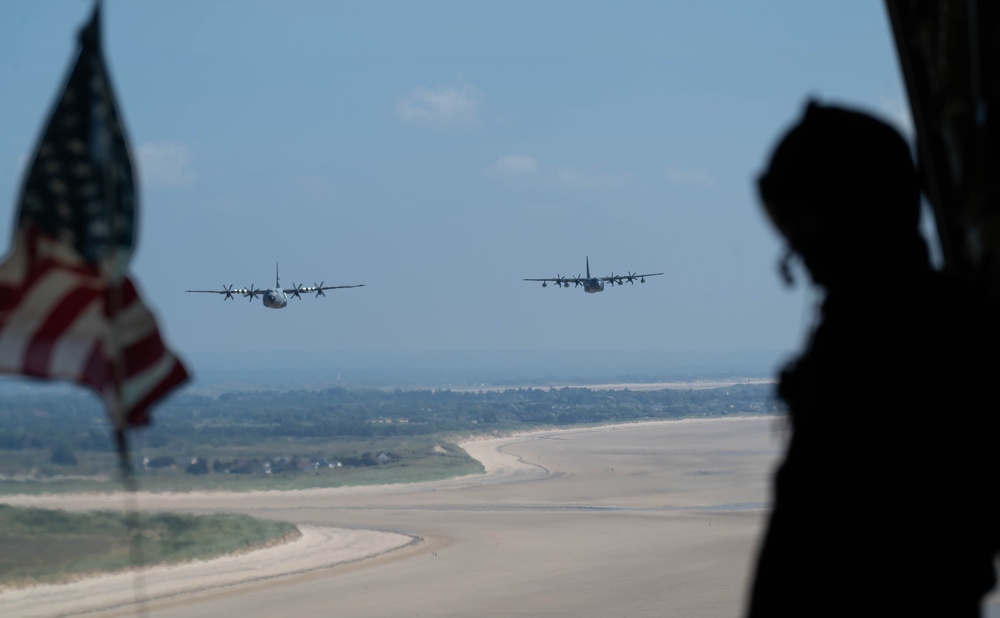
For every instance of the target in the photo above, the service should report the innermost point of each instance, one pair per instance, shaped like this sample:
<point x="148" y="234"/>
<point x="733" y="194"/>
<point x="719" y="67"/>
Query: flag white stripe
<point x="30" y="314"/>
<point x="133" y="323"/>
<point x="13" y="342"/>
<point x="142" y="383"/>
<point x="14" y="268"/>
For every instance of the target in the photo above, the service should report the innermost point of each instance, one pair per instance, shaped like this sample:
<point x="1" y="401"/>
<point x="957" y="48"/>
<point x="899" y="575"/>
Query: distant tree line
<point x="75" y="422"/>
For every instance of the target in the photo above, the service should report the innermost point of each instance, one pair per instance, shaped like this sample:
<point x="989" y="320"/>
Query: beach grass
<point x="45" y="546"/>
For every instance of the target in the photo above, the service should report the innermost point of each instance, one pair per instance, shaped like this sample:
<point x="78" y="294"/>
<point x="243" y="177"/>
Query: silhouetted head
<point x="842" y="188"/>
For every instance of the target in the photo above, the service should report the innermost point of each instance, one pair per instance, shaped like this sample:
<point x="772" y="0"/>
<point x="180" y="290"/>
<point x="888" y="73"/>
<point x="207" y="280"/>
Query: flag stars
<point x="82" y="165"/>
<point x="70" y="123"/>
<point x="89" y="191"/>
<point x="97" y="232"/>
<point x="100" y="111"/>
<point x="63" y="210"/>
<point x="57" y="186"/>
<point x="29" y="205"/>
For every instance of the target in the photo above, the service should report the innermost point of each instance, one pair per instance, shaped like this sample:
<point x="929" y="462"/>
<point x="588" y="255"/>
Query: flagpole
<point x="132" y="523"/>
<point x="111" y="269"/>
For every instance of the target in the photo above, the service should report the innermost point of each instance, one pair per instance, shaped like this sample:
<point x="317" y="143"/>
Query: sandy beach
<point x="650" y="519"/>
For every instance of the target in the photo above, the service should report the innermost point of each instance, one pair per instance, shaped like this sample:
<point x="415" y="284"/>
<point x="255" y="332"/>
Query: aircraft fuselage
<point x="593" y="285"/>
<point x="274" y="299"/>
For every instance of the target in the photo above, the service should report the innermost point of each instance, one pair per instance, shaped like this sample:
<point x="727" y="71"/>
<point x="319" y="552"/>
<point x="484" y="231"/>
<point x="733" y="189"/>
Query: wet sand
<point x="653" y="519"/>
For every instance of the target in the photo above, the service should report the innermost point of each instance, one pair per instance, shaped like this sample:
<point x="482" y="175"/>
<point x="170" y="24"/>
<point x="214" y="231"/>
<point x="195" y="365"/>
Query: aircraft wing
<point x="230" y="292"/>
<point x="559" y="280"/>
<point x="340" y="287"/>
<point x="628" y="278"/>
<point x="313" y="288"/>
<point x="318" y="289"/>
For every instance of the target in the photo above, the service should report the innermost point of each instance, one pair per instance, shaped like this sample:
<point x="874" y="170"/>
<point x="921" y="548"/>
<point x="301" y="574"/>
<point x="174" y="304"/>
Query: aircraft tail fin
<point x="588" y="267"/>
<point x="276" y="284"/>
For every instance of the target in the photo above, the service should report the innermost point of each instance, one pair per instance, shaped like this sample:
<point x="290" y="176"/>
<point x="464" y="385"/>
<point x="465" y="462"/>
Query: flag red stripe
<point x="126" y="295"/>
<point x="140" y="410"/>
<point x="96" y="373"/>
<point x="143" y="354"/>
<point x="39" y="270"/>
<point x="60" y="317"/>
<point x="128" y="291"/>
<point x="9" y="297"/>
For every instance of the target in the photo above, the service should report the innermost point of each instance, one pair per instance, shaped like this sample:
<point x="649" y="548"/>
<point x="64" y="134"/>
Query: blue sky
<point x="440" y="152"/>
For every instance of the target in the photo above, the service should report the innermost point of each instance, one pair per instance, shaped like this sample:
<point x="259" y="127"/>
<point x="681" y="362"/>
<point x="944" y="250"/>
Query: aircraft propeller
<point x="228" y="291"/>
<point x="630" y="277"/>
<point x="577" y="282"/>
<point x="296" y="288"/>
<point x="319" y="289"/>
<point x="251" y="292"/>
<point x="560" y="282"/>
<point x="612" y="280"/>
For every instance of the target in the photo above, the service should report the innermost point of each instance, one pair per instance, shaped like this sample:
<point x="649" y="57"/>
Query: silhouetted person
<point x="886" y="502"/>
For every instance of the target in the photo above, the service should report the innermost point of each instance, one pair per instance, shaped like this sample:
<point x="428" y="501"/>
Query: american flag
<point x="68" y="309"/>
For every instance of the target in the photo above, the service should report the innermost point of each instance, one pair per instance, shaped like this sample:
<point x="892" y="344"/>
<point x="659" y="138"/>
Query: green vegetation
<point x="289" y="465"/>
<point x="301" y="439"/>
<point x="52" y="546"/>
<point x="270" y="440"/>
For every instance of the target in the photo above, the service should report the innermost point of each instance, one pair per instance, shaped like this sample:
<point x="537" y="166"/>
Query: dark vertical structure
<point x="949" y="54"/>
<point x="885" y="503"/>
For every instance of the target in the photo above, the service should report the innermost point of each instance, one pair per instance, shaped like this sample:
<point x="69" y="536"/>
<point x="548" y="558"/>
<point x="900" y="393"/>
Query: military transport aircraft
<point x="276" y="297"/>
<point x="594" y="284"/>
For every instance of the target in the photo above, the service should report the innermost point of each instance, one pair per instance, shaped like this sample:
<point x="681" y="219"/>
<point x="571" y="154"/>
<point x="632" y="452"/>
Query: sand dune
<point x="317" y="548"/>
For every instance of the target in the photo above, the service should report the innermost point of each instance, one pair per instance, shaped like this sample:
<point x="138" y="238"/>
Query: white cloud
<point x="518" y="171"/>
<point x="440" y="107"/>
<point x="572" y="178"/>
<point x="513" y="165"/>
<point x="165" y="165"/>
<point x="687" y="177"/>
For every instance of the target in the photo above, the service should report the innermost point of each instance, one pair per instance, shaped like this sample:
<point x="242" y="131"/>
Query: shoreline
<point x="316" y="548"/>
<point x="495" y="468"/>
<point x="319" y="548"/>
<point x="613" y="386"/>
